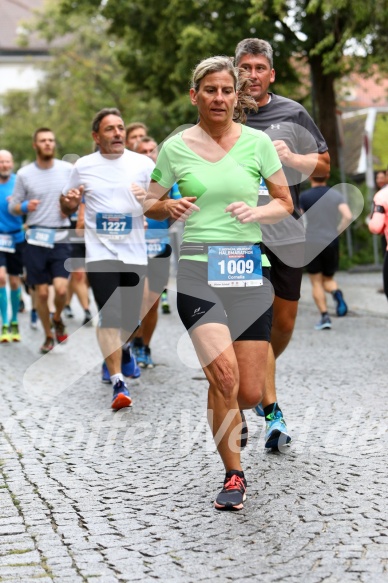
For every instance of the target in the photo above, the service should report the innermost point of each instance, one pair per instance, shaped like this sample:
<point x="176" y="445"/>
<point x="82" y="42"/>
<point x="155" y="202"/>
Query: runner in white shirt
<point x="116" y="254"/>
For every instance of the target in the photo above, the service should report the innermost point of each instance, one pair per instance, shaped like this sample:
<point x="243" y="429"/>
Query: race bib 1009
<point x="234" y="266"/>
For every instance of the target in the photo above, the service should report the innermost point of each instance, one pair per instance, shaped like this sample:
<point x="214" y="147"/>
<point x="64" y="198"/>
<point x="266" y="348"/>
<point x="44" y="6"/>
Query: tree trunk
<point x="324" y="95"/>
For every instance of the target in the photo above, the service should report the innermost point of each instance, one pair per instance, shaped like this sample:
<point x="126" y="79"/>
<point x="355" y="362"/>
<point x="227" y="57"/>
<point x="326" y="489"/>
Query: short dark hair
<point x="103" y="113"/>
<point x="135" y="125"/>
<point x="320" y="179"/>
<point x="41" y="131"/>
<point x="146" y="140"/>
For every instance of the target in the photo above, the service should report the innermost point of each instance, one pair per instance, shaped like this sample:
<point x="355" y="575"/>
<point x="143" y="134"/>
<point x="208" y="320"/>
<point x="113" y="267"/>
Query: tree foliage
<point x="138" y="56"/>
<point x="163" y="42"/>
<point x="335" y="37"/>
<point x="83" y="76"/>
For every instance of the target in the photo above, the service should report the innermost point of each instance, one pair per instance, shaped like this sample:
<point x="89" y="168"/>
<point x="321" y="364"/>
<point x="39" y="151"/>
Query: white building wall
<point x="21" y="75"/>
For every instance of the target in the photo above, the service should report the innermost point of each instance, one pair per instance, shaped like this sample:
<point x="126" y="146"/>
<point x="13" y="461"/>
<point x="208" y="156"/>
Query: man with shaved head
<point x="11" y="251"/>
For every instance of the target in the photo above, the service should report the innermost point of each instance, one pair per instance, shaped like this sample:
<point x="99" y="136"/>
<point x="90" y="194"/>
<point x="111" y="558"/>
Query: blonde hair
<point x="241" y="85"/>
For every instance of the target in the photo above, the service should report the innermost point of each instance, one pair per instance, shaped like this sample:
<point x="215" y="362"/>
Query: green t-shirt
<point x="236" y="177"/>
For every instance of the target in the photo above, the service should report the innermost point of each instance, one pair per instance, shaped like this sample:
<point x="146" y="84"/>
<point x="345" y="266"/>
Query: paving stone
<point x="87" y="495"/>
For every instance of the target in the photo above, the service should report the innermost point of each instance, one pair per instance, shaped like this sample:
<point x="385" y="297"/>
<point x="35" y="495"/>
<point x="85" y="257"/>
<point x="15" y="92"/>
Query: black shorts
<point x="247" y="311"/>
<point x="159" y="270"/>
<point x="326" y="262"/>
<point x="13" y="262"/>
<point x="286" y="280"/>
<point x="44" y="264"/>
<point x="121" y="308"/>
<point x="77" y="257"/>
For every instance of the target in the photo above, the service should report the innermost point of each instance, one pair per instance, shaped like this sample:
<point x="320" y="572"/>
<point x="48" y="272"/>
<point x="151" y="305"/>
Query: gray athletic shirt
<point x="287" y="120"/>
<point x="45" y="185"/>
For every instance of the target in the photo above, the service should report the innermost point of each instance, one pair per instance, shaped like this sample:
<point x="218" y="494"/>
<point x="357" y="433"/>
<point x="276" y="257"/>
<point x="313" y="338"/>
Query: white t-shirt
<point x="108" y="198"/>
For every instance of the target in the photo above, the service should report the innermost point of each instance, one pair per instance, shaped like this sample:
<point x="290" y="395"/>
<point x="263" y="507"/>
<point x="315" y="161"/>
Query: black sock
<point x="126" y="347"/>
<point x="138" y="342"/>
<point x="323" y="314"/>
<point x="238" y="472"/>
<point x="272" y="408"/>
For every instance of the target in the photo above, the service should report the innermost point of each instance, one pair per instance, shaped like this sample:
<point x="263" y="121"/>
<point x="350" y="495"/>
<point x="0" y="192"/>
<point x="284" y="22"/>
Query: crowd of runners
<point x="101" y="226"/>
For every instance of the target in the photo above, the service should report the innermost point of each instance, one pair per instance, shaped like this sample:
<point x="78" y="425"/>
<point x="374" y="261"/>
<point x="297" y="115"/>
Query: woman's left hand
<point x="243" y="212"/>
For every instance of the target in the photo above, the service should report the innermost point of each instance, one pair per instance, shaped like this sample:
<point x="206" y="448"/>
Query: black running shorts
<point x="159" y="271"/>
<point x="326" y="262"/>
<point x="77" y="260"/>
<point x="118" y="291"/>
<point x="44" y="264"/>
<point x="13" y="262"/>
<point x="247" y="311"/>
<point x="286" y="280"/>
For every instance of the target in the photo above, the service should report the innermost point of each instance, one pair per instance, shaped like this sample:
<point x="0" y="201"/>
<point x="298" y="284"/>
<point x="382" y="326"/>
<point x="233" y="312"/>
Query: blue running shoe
<point x="34" y="319"/>
<point x="105" y="376"/>
<point x="149" y="362"/>
<point x="276" y="433"/>
<point x="141" y="357"/>
<point x="259" y="410"/>
<point x="342" y="308"/>
<point x="135" y="349"/>
<point x="129" y="366"/>
<point x="323" y="324"/>
<point x="121" y="397"/>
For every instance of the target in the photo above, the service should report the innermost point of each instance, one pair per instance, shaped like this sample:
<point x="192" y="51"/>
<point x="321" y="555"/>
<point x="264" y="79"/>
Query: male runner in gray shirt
<point x="37" y="190"/>
<point x="303" y="152"/>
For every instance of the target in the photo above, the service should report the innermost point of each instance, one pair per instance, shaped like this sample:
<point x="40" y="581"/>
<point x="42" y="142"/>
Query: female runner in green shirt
<point x="224" y="293"/>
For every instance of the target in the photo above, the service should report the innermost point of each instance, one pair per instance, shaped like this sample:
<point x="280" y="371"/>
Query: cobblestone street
<point x="89" y="495"/>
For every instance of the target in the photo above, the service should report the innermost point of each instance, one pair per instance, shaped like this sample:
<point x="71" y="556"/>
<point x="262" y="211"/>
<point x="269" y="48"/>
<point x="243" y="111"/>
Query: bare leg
<point x="151" y="319"/>
<point x="110" y="344"/>
<point x="33" y="295"/>
<point x="219" y="359"/>
<point x="51" y="299"/>
<point x="14" y="282"/>
<point x="284" y="316"/>
<point x="41" y="299"/>
<point x="329" y="284"/>
<point x="60" y="285"/>
<point x="80" y="288"/>
<point x="318" y="291"/>
<point x="252" y="358"/>
<point x="70" y="290"/>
